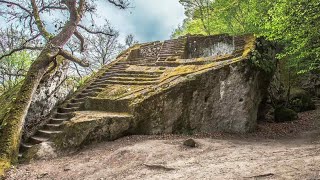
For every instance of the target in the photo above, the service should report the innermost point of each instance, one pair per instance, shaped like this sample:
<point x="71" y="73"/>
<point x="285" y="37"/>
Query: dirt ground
<point x="275" y="151"/>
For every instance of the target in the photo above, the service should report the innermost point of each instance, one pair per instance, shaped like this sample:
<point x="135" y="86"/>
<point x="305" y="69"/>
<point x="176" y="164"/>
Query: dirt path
<point x="291" y="153"/>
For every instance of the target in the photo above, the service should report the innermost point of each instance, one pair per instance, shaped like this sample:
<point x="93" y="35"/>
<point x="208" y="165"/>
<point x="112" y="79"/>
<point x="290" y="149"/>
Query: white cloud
<point x="148" y="20"/>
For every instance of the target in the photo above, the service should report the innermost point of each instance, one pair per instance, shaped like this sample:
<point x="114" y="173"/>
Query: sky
<point x="147" y="20"/>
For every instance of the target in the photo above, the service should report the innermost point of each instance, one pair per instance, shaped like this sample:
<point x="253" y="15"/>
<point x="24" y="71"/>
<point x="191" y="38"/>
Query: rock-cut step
<point x="123" y="82"/>
<point x="108" y="105"/>
<point x="122" y="74"/>
<point x="133" y="79"/>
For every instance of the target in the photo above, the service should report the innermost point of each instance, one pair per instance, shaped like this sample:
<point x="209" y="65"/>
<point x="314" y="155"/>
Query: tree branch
<point x="94" y="32"/>
<point x="18" y="5"/>
<point x="70" y="27"/>
<point x="39" y="23"/>
<point x="81" y="38"/>
<point x="81" y="7"/>
<point x="31" y="39"/>
<point x="20" y="49"/>
<point x="121" y="4"/>
<point x="52" y="7"/>
<point x="69" y="56"/>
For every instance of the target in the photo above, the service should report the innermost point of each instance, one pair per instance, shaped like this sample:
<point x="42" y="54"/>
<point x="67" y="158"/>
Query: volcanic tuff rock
<point x="186" y="85"/>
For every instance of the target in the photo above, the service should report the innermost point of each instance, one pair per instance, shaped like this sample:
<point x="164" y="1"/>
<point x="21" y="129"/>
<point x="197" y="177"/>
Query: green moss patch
<point x="6" y="100"/>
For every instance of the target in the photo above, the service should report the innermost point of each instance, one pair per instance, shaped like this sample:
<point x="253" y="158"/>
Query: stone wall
<point x="205" y="46"/>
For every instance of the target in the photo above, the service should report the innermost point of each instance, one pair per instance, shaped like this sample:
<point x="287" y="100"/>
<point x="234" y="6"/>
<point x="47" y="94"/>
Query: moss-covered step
<point x="107" y="105"/>
<point x="125" y="74"/>
<point x="131" y="82"/>
<point x="133" y="79"/>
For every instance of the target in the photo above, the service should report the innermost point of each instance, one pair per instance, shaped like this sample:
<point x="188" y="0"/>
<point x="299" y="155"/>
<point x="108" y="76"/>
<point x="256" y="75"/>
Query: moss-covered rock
<point x="91" y="127"/>
<point x="300" y="100"/>
<point x="282" y="114"/>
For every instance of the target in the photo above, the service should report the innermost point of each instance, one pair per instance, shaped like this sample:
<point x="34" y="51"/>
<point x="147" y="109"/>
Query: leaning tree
<point x="30" y="14"/>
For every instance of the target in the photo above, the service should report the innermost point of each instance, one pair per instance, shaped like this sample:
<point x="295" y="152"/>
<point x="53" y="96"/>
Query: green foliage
<point x="13" y="68"/>
<point x="263" y="57"/>
<point x="293" y="23"/>
<point x="296" y="24"/>
<point x="221" y="16"/>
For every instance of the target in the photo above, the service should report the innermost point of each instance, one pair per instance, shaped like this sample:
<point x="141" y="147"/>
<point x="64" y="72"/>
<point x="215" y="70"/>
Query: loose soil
<point x="274" y="151"/>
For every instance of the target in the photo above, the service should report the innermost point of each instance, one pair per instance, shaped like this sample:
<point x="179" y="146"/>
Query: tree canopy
<point x="292" y="23"/>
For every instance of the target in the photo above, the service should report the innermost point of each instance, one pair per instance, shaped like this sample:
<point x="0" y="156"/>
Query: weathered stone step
<point x="92" y="90"/>
<point x="122" y="63"/>
<point x="132" y="79"/>
<point x="180" y="50"/>
<point x="37" y="140"/>
<point x="131" y="75"/>
<point x="24" y="147"/>
<point x="108" y="105"/>
<point x="141" y="72"/>
<point x="173" y="46"/>
<point x="78" y="100"/>
<point x="175" y="41"/>
<point x="97" y="85"/>
<point x="131" y="82"/>
<point x="74" y="105"/>
<point x="84" y="95"/>
<point x="47" y="133"/>
<point x="57" y="121"/>
<point x="167" y="55"/>
<point x="117" y="68"/>
<point x="52" y="127"/>
<point x="63" y="115"/>
<point x="125" y="64"/>
<point x="67" y="110"/>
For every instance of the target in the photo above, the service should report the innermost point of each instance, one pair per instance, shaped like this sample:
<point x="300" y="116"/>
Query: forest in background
<point x="293" y="24"/>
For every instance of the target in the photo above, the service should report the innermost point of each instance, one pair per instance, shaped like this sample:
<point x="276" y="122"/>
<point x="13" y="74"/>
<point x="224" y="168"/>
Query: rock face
<point x="192" y="84"/>
<point x="225" y="100"/>
<point x="52" y="90"/>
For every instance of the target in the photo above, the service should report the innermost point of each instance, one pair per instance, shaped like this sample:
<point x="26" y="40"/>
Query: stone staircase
<point x="172" y="48"/>
<point x="116" y="74"/>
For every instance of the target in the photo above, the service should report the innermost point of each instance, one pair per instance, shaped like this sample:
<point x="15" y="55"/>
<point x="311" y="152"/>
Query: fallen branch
<point x="158" y="166"/>
<point x="261" y="175"/>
